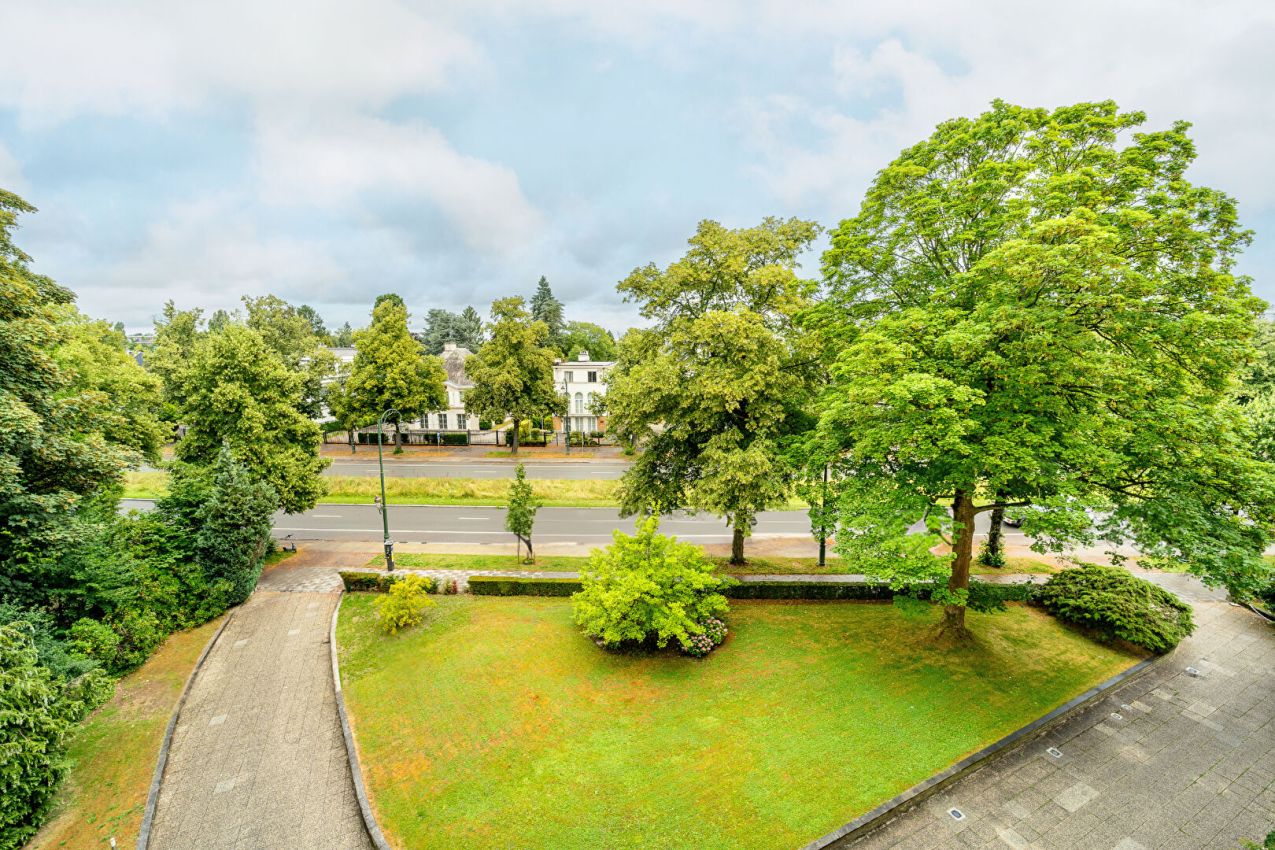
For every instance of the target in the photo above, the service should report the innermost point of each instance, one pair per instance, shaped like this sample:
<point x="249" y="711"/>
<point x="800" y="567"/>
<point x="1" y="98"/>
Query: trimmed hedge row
<point x="808" y="590"/>
<point x="513" y="586"/>
<point x="356" y="582"/>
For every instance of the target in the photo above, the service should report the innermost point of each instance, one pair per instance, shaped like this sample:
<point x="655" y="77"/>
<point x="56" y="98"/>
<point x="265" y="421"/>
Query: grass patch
<point x="773" y="565"/>
<point x="1014" y="565"/>
<point x="435" y="491"/>
<point x="498" y="724"/>
<point x="114" y="750"/>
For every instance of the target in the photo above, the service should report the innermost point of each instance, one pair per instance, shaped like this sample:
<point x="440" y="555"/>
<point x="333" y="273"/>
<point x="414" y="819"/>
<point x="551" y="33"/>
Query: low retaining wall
<point x="351" y="751"/>
<point x="152" y="798"/>
<point x="891" y="809"/>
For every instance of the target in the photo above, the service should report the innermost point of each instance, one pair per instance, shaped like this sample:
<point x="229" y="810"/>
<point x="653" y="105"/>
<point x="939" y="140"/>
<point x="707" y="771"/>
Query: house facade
<point x="454" y="418"/>
<point x="583" y="381"/>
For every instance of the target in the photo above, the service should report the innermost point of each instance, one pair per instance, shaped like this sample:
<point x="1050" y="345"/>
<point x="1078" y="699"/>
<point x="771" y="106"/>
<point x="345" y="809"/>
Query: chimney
<point x="583" y="357"/>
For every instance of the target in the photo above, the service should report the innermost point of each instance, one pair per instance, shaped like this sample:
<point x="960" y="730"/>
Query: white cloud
<point x="63" y="58"/>
<point x="11" y="177"/>
<point x="348" y="157"/>
<point x="1206" y="63"/>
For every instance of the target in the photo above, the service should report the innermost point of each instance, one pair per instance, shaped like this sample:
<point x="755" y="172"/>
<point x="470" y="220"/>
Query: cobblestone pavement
<point x="1174" y="760"/>
<point x="257" y="760"/>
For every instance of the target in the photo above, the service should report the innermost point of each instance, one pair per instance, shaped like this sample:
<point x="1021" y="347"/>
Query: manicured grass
<point x="114" y="750"/>
<point x="435" y="491"/>
<point x="776" y="565"/>
<point x="497" y="724"/>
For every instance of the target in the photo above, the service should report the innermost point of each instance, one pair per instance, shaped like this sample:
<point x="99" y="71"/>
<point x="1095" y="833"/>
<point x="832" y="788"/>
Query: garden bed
<point x="498" y="724"/>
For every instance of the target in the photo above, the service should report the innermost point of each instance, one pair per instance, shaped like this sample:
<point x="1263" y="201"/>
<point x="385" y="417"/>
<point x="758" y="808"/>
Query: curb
<point x="152" y="798"/>
<point x="351" y="751"/>
<point x="885" y="813"/>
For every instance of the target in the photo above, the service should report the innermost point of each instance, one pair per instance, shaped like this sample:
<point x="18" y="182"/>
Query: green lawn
<point x="497" y="724"/>
<point x="776" y="565"/>
<point x="114" y="750"/>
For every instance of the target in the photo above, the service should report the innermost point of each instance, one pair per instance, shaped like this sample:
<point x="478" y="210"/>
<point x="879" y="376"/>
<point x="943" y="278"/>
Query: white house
<point x="583" y="381"/>
<point x="454" y="417"/>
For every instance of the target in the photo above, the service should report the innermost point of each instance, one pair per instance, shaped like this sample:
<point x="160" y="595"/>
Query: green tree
<point x="586" y="336"/>
<point x="317" y="327"/>
<point x="53" y="458"/>
<point x="711" y="391"/>
<point x="236" y="391"/>
<point x="126" y="399"/>
<point x="648" y="587"/>
<point x="33" y="726"/>
<point x="548" y="309"/>
<point x="513" y="373"/>
<point x="344" y="336"/>
<point x="234" y="527"/>
<point x="1032" y="309"/>
<point x="469" y="330"/>
<point x="392" y="297"/>
<point x="176" y="333"/>
<point x="391" y="370"/>
<point x="520" y="516"/>
<point x="291" y="335"/>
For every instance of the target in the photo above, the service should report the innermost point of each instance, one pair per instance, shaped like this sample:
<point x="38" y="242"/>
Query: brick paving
<point x="1171" y="761"/>
<point x="257" y="759"/>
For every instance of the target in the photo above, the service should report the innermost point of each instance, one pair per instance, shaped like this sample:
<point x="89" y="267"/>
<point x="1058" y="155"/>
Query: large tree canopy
<point x="513" y="373"/>
<point x="1032" y="308"/>
<point x="236" y="391"/>
<point x="711" y="390"/>
<point x="53" y="454"/>
<point x="391" y="370"/>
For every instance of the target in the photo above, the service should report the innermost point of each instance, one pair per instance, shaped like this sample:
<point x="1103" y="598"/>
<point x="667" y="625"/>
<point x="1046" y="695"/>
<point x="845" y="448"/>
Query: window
<point x="593" y="377"/>
<point x="442" y="421"/>
<point x="588" y="403"/>
<point x="568" y="376"/>
<point x="462" y="421"/>
<point x="579" y="403"/>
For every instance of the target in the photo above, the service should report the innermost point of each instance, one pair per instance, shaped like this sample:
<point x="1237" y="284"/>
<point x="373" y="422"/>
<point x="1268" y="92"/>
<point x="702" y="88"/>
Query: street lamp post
<point x="385" y="513"/>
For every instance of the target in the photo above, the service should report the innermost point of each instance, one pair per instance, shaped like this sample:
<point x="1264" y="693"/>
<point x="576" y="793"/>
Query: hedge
<point x="512" y="586"/>
<point x="808" y="590"/>
<point x="377" y="582"/>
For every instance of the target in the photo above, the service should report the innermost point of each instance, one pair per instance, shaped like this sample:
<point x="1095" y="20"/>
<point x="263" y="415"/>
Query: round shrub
<point x="648" y="588"/>
<point x="1118" y="605"/>
<point x="404" y="604"/>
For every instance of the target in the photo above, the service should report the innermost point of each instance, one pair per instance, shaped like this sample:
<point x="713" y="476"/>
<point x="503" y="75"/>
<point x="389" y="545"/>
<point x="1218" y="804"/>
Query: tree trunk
<point x="354" y="444"/>
<point x="953" y="629"/>
<point x="513" y="441"/>
<point x="398" y="440"/>
<point x="737" y="544"/>
<point x="994" y="534"/>
<point x="531" y="555"/>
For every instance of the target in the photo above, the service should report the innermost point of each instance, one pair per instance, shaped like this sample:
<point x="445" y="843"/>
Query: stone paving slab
<point x="1170" y="761"/>
<point x="257" y="759"/>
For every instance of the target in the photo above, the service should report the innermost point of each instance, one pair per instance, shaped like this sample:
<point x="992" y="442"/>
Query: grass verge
<point x="435" y="491"/>
<point x="808" y="716"/>
<point x="770" y="565"/>
<point x="114" y="750"/>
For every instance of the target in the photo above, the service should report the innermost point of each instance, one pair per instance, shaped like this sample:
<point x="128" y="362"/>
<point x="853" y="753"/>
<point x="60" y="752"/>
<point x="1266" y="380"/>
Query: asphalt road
<point x="601" y="470"/>
<point x="447" y="524"/>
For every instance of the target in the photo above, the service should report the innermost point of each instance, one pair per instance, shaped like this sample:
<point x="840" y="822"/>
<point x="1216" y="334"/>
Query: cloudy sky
<point x="454" y="152"/>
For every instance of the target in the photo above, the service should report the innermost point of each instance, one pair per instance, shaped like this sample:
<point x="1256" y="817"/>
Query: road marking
<point x="475" y="518"/>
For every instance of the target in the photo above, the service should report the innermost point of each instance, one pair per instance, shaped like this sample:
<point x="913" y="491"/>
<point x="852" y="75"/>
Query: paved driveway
<point x="1171" y="761"/>
<point x="257" y="760"/>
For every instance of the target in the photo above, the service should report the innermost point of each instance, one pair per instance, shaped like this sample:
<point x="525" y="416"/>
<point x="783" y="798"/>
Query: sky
<point x="455" y="152"/>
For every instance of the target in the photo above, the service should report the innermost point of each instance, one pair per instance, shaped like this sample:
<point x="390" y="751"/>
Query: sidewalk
<point x="476" y="454"/>
<point x="1175" y="760"/>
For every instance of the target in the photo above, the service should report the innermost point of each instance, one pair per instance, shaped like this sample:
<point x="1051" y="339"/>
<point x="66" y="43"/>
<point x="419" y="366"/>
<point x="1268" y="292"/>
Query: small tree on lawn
<point x="1030" y="309"/>
<point x="513" y="373"/>
<point x="649" y="587"/>
<point x="520" y="517"/>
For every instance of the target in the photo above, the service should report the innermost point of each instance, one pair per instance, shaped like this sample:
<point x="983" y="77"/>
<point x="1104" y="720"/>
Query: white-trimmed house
<point x="583" y="380"/>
